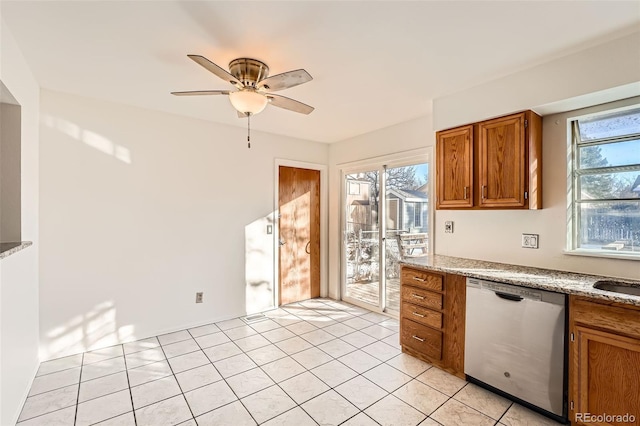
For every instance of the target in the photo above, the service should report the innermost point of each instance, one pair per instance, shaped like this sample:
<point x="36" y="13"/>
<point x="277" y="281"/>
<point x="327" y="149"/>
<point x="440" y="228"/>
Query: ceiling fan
<point x="254" y="86"/>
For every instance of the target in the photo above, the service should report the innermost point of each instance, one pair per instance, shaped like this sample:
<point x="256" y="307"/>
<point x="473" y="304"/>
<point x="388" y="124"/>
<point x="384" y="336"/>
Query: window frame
<point x="574" y="172"/>
<point x="417" y="214"/>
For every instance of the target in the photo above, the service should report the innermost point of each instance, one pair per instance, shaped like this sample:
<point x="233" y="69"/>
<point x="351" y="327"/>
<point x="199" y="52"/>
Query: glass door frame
<point x="380" y="164"/>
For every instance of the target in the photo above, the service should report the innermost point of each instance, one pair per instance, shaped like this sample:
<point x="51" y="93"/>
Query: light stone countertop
<point x="525" y="276"/>
<point x="7" y="249"/>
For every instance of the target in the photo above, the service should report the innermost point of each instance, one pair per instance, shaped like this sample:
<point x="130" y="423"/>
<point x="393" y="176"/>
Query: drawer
<point x="418" y="296"/>
<point x="422" y="315"/>
<point x="421" y="339"/>
<point x="422" y="279"/>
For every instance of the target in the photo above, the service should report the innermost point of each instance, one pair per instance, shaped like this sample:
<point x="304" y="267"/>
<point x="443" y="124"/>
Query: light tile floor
<point x="314" y="362"/>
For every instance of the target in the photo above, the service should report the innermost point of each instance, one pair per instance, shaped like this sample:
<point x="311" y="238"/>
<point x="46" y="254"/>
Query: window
<point x="417" y="215"/>
<point x="606" y="183"/>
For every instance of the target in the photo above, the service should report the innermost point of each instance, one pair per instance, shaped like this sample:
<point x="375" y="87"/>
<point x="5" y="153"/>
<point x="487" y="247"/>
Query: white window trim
<point x="572" y="231"/>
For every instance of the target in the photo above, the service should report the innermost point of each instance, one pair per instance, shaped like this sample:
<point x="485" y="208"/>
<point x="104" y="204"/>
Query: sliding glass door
<point x="362" y="237"/>
<point x="386" y="218"/>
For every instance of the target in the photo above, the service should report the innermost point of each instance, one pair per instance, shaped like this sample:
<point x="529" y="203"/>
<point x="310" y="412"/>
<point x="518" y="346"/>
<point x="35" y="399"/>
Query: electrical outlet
<point x="448" y="227"/>
<point x="530" y="241"/>
<point x="199" y="297"/>
<point x="269" y="229"/>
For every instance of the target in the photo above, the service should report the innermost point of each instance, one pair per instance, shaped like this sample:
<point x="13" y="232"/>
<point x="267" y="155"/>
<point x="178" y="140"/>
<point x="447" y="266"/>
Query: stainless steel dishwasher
<point x="515" y="343"/>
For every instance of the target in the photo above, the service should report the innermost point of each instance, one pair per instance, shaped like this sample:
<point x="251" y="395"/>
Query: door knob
<point x="282" y="242"/>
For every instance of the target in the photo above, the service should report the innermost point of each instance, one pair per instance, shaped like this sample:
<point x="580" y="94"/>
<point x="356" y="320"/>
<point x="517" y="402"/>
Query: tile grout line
<point x="226" y="383"/>
<point x="50" y="390"/>
<point x="57" y="371"/>
<point x="75" y="417"/>
<point x="75" y="405"/>
<point x="505" y="411"/>
<point x="176" y="379"/>
<point x="468" y="406"/>
<point x="133" y="407"/>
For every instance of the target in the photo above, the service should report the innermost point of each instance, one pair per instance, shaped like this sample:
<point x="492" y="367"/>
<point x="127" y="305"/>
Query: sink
<point x="617" y="287"/>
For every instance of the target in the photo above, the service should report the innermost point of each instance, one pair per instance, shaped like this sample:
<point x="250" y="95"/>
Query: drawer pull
<point x="419" y="279"/>
<point x="417" y="296"/>
<point x="418" y="338"/>
<point x="417" y="314"/>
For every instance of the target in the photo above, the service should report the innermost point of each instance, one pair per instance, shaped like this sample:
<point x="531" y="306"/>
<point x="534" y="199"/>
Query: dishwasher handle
<point x="513" y="297"/>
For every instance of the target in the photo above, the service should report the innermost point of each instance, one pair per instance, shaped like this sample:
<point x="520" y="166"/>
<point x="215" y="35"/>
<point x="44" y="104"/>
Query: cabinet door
<point x="501" y="151"/>
<point x="454" y="168"/>
<point x="605" y="372"/>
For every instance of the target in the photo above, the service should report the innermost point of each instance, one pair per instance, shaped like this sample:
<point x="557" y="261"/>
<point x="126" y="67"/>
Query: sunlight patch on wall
<point x="95" y="329"/>
<point x="88" y="137"/>
<point x="259" y="295"/>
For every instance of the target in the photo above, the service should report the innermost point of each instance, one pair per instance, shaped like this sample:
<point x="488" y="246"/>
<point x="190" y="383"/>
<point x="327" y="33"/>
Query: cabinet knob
<point x="418" y="338"/>
<point x="417" y="314"/>
<point x="417" y="296"/>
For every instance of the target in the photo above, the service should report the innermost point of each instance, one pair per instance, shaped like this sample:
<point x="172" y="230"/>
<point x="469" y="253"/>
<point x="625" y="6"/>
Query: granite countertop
<point x="7" y="249"/>
<point x="526" y="276"/>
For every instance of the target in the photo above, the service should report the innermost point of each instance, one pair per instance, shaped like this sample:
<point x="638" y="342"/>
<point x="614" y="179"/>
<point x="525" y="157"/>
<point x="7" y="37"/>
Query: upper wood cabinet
<point x="501" y="157"/>
<point x="491" y="164"/>
<point x="454" y="168"/>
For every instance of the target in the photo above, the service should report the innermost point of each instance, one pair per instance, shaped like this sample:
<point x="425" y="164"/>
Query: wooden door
<point x="299" y="206"/>
<point x="605" y="372"/>
<point x="501" y="152"/>
<point x="454" y="168"/>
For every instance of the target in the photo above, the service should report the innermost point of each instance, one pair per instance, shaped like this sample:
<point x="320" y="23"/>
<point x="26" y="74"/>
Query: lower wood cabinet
<point x="424" y="340"/>
<point x="604" y="363"/>
<point x="432" y="317"/>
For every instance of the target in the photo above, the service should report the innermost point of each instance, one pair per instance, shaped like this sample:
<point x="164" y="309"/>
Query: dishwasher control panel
<point x="524" y="292"/>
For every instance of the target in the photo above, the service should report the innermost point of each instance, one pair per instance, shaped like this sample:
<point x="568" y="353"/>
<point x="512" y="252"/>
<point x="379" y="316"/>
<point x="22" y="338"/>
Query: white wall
<point x="496" y="235"/>
<point x="19" y="272"/>
<point x="142" y="209"/>
<point x="402" y="137"/>
<point x="550" y="87"/>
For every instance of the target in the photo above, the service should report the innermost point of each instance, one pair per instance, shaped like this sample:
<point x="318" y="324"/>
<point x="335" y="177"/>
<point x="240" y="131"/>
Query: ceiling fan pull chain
<point x="248" y="130"/>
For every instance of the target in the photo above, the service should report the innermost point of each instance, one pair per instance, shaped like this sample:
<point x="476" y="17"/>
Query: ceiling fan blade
<point x="242" y="115"/>
<point x="201" y="92"/>
<point x="215" y="69"/>
<point x="288" y="103"/>
<point x="285" y="80"/>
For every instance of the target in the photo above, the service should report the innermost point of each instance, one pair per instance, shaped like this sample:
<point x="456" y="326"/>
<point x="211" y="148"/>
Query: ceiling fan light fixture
<point x="248" y="101"/>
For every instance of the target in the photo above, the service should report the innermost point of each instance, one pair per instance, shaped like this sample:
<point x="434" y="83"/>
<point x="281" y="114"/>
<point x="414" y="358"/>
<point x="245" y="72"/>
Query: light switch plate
<point x="448" y="227"/>
<point x="530" y="241"/>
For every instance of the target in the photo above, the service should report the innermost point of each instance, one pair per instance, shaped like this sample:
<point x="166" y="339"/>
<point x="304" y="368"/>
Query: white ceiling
<point x="374" y="63"/>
